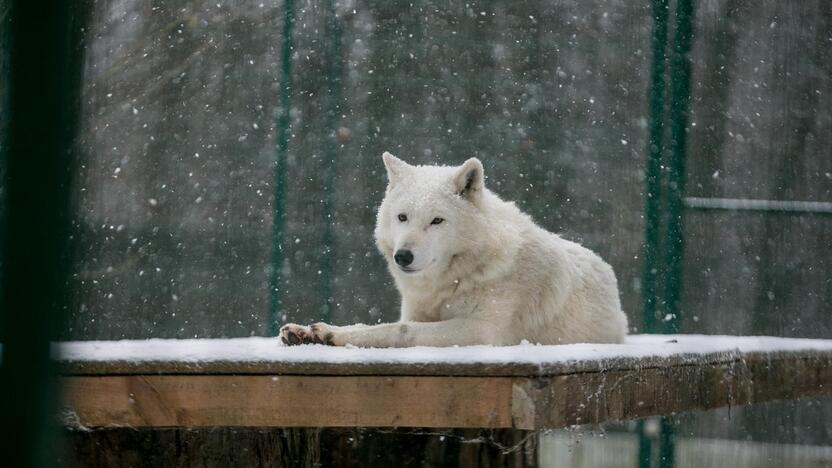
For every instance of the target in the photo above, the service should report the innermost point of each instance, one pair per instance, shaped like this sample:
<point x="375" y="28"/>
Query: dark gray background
<point x="180" y="104"/>
<point x="175" y="183"/>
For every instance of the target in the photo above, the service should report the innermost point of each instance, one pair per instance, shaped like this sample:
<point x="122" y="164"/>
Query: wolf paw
<point x="320" y="333"/>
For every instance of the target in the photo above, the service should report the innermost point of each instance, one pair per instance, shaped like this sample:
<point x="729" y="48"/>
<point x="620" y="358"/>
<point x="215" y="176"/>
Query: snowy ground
<point x="259" y="353"/>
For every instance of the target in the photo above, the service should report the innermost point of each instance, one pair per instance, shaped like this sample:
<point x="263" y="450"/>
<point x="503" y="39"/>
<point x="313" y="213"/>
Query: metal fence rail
<point x="744" y="204"/>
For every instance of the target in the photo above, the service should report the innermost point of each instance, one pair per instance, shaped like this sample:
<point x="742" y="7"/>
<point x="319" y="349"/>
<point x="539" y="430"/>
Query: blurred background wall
<point x="175" y="188"/>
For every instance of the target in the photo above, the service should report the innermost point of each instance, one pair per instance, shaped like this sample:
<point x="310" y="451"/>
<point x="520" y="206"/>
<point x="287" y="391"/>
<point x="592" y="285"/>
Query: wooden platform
<point x="257" y="382"/>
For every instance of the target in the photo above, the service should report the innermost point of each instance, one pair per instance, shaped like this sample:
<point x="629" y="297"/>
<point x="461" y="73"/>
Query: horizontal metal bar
<point x="742" y="204"/>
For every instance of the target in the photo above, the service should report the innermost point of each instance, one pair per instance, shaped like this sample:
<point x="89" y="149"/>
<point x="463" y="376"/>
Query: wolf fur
<point x="481" y="272"/>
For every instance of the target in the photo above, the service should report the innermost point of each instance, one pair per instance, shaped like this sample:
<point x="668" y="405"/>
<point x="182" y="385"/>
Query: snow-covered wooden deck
<point x="258" y="382"/>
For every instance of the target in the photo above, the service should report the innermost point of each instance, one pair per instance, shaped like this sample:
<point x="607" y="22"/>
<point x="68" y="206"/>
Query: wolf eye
<point x="437" y="220"/>
<point x="402" y="217"/>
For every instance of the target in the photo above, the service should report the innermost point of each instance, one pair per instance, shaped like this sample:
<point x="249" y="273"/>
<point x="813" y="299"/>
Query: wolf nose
<point x="403" y="257"/>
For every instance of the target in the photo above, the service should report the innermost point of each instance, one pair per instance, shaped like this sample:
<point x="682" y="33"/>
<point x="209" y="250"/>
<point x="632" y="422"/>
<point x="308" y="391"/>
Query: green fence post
<point x="44" y="79"/>
<point x="645" y="446"/>
<point x="679" y="103"/>
<point x="281" y="151"/>
<point x="652" y="209"/>
<point x="667" y="443"/>
<point x="680" y="89"/>
<point x="333" y="79"/>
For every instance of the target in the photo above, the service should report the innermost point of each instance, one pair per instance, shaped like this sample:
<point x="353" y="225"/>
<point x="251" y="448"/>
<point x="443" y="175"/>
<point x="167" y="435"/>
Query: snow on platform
<point x="259" y="355"/>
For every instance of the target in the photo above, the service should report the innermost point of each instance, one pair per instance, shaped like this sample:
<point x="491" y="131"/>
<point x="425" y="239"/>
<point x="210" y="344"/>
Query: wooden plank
<point x="289" y="401"/>
<point x="408" y="401"/>
<point x="529" y="402"/>
<point x="428" y="368"/>
<point x="467" y="369"/>
<point x="589" y="398"/>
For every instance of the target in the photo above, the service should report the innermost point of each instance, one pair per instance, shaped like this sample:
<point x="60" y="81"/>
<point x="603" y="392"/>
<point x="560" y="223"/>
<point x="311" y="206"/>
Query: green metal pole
<point x="667" y="443"/>
<point x="281" y="151"/>
<point x="334" y="67"/>
<point x="652" y="209"/>
<point x="679" y="104"/>
<point x="5" y="74"/>
<point x="645" y="446"/>
<point x="680" y="89"/>
<point x="44" y="77"/>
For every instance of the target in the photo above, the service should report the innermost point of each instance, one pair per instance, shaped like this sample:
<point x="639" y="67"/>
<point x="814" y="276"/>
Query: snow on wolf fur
<point x="473" y="269"/>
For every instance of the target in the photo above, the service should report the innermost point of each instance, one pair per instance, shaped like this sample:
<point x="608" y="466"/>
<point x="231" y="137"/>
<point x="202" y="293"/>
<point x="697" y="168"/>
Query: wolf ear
<point x="469" y="180"/>
<point x="395" y="167"/>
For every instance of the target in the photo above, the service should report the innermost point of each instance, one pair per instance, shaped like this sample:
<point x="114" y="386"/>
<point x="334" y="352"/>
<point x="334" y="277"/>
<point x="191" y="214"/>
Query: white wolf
<point x="472" y="270"/>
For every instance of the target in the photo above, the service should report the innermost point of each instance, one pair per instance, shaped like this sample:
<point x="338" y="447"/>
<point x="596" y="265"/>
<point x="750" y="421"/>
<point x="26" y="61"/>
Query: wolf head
<point x="429" y="215"/>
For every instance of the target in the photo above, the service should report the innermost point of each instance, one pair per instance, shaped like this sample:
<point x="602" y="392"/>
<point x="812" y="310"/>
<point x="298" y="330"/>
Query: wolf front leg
<point x="458" y="331"/>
